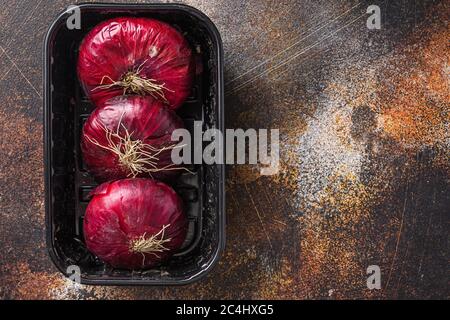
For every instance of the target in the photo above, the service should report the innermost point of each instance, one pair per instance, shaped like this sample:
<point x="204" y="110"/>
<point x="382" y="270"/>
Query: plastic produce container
<point x="67" y="181"/>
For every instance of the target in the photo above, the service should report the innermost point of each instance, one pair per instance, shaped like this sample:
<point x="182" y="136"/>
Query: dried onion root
<point x="151" y="245"/>
<point x="134" y="155"/>
<point x="133" y="83"/>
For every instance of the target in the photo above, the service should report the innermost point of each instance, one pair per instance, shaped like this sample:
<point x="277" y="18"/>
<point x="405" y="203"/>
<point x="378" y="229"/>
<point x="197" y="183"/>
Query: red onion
<point x="136" y="56"/>
<point x="130" y="137"/>
<point x="134" y="223"/>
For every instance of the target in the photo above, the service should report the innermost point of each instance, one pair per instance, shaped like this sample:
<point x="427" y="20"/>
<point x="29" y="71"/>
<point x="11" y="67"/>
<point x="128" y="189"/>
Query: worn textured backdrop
<point x="365" y="168"/>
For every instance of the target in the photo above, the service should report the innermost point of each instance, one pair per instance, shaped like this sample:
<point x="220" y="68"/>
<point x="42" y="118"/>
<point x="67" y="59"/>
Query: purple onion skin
<point x="125" y="210"/>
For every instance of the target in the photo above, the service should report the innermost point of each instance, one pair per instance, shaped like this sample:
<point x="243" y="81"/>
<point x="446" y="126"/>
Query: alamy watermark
<point x="374" y="21"/>
<point x="236" y="146"/>
<point x="74" y="273"/>
<point x="73" y="22"/>
<point x="374" y="279"/>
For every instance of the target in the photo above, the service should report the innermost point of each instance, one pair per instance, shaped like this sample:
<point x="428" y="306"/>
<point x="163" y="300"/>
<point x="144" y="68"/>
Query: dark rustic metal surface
<point x="365" y="168"/>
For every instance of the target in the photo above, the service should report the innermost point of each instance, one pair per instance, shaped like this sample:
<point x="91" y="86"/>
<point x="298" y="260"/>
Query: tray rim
<point x="47" y="145"/>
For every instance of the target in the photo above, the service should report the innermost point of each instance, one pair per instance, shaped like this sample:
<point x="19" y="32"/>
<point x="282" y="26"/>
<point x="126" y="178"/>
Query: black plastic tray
<point x="67" y="180"/>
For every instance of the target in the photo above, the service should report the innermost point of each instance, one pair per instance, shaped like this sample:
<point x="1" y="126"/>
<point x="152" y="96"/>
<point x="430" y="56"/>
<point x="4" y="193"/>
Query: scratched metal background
<point x="365" y="168"/>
